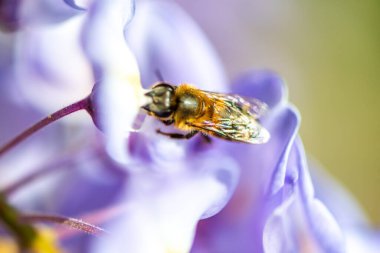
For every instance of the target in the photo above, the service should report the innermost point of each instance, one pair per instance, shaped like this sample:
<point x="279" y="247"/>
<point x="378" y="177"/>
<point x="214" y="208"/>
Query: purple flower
<point x="155" y="194"/>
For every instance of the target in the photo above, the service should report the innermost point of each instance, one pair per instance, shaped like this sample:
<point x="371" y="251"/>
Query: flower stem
<point x="69" y="222"/>
<point x="77" y="106"/>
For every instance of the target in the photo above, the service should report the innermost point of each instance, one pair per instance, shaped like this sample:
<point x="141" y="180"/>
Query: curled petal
<point x="173" y="46"/>
<point x="279" y="174"/>
<point x="323" y="225"/>
<point x="118" y="93"/>
<point x="226" y="171"/>
<point x="80" y="5"/>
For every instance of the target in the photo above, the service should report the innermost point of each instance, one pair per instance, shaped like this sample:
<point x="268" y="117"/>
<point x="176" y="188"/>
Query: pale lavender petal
<point x="322" y="224"/>
<point x="19" y="14"/>
<point x="359" y="234"/>
<point x="43" y="12"/>
<point x="165" y="39"/>
<point x="336" y="197"/>
<point x="362" y="240"/>
<point x="278" y="177"/>
<point x="170" y="206"/>
<point x="52" y="75"/>
<point x="118" y="93"/>
<point x="278" y="234"/>
<point x="80" y="5"/>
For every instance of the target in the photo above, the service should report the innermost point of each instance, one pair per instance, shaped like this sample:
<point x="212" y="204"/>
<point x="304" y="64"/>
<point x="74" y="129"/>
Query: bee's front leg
<point x="168" y="122"/>
<point x="206" y="138"/>
<point x="178" y="136"/>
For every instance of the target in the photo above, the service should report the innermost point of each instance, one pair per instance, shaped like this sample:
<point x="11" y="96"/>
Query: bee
<point x="230" y="117"/>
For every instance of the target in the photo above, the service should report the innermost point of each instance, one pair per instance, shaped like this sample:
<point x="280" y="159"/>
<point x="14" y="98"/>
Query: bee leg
<point x="167" y="122"/>
<point x="206" y="138"/>
<point x="178" y="136"/>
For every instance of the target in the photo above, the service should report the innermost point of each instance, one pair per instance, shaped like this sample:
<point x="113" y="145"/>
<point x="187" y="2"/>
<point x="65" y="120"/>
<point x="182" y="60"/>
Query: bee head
<point x="162" y="103"/>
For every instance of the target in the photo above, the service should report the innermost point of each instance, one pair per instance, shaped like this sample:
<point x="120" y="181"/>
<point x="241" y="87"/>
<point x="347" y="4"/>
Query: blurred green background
<point x="329" y="54"/>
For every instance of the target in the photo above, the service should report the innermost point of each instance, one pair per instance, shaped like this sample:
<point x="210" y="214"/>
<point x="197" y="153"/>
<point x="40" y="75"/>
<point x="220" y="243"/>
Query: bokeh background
<point x="329" y="54"/>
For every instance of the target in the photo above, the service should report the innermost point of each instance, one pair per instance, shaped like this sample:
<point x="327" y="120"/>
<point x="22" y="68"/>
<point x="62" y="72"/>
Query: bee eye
<point x="161" y="88"/>
<point x="162" y="103"/>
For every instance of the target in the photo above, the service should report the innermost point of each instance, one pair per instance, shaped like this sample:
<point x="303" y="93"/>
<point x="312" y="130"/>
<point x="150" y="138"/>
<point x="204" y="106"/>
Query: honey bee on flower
<point x="230" y="117"/>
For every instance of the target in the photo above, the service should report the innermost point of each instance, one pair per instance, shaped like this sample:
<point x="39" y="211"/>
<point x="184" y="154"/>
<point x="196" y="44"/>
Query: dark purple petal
<point x="9" y="18"/>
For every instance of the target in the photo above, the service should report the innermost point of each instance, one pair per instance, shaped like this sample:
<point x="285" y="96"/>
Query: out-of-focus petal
<point x="79" y="4"/>
<point x="277" y="233"/>
<point x="362" y="240"/>
<point x="90" y="185"/>
<point x="39" y="12"/>
<point x="50" y="68"/>
<point x="118" y="94"/>
<point x="322" y="224"/>
<point x="360" y="236"/>
<point x="279" y="173"/>
<point x="264" y="85"/>
<point x="165" y="39"/>
<point x="342" y="205"/>
<point x="165" y="208"/>
<point x="18" y="14"/>
<point x="9" y="18"/>
<point x="241" y="223"/>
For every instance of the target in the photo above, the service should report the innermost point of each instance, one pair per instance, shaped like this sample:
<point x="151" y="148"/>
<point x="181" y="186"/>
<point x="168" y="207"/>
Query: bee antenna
<point x="159" y="76"/>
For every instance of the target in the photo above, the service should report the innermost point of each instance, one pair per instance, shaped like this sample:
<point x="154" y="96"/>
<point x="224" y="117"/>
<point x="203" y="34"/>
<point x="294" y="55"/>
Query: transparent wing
<point x="234" y="118"/>
<point x="254" y="106"/>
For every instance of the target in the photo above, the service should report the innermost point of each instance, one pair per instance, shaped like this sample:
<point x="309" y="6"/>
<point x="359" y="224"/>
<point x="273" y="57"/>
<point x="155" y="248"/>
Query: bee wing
<point x="235" y="119"/>
<point x="254" y="106"/>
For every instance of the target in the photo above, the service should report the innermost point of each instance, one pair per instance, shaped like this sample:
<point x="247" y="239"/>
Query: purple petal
<point x="170" y="205"/>
<point x="279" y="174"/>
<point x="165" y="39"/>
<point x="239" y="225"/>
<point x="264" y="85"/>
<point x="9" y="18"/>
<point x="339" y="201"/>
<point x="45" y="12"/>
<point x="92" y="186"/>
<point x="78" y="5"/>
<point x="57" y="70"/>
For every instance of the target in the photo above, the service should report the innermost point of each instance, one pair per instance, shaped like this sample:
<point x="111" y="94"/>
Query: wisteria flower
<point x="148" y="192"/>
